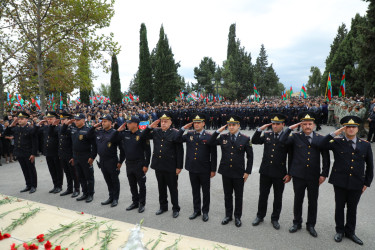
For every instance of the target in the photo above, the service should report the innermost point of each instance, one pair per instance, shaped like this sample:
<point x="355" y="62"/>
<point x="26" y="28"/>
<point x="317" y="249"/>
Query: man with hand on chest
<point x="201" y="161"/>
<point x="167" y="160"/>
<point x="273" y="169"/>
<point x="349" y="176"/>
<point x="305" y="169"/>
<point x="232" y="166"/>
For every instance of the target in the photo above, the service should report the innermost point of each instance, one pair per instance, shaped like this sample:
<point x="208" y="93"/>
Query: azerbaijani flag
<point x="37" y="102"/>
<point x="143" y="125"/>
<point x="256" y="94"/>
<point x="61" y="101"/>
<point x="342" y="85"/>
<point x="329" y="88"/>
<point x="303" y="91"/>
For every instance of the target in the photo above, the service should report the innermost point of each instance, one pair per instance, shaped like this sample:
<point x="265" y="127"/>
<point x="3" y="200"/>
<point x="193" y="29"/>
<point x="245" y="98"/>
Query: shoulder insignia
<point x="331" y="141"/>
<point x="208" y="133"/>
<point x="363" y="140"/>
<point x="291" y="135"/>
<point x="262" y="135"/>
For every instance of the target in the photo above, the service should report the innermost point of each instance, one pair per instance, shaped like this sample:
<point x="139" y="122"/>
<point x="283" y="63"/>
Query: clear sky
<point x="296" y="33"/>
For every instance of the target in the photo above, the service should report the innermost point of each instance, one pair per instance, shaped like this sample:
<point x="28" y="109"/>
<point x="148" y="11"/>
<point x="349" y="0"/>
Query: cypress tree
<point x="167" y="83"/>
<point x="84" y="75"/>
<point x="115" y="94"/>
<point x="145" y="86"/>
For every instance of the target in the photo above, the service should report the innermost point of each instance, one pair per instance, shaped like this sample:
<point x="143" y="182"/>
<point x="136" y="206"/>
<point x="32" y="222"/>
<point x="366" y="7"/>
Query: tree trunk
<point x="39" y="59"/>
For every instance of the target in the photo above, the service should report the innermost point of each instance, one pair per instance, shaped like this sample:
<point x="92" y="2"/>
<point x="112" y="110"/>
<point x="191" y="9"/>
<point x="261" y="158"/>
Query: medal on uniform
<point x="225" y="141"/>
<point x="191" y="138"/>
<point x="109" y="144"/>
<point x="137" y="138"/>
<point x="80" y="137"/>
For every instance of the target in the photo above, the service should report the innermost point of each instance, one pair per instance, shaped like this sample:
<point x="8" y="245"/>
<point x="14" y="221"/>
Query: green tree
<point x="367" y="51"/>
<point x="115" y="82"/>
<point x="84" y="76"/>
<point x="145" y="86"/>
<point x="204" y="74"/>
<point x="313" y="84"/>
<point x="342" y="32"/>
<point x="104" y="89"/>
<point x="43" y="26"/>
<point x="167" y="82"/>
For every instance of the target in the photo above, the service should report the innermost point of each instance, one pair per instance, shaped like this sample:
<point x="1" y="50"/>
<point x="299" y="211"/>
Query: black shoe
<point x="114" y="203"/>
<point x="175" y="214"/>
<point x="66" y="192"/>
<point x="205" y="217"/>
<point x="275" y="224"/>
<point x="338" y="237"/>
<point x="89" y="199"/>
<point x="226" y="220"/>
<point x="83" y="197"/>
<point x="109" y="201"/>
<point x="52" y="190"/>
<point x="32" y="190"/>
<point x="132" y="206"/>
<point x="312" y="231"/>
<point x="141" y="209"/>
<point x="57" y="190"/>
<point x="237" y="222"/>
<point x="160" y="211"/>
<point x="75" y="194"/>
<point x="194" y="215"/>
<point x="354" y="238"/>
<point x="257" y="221"/>
<point x="294" y="228"/>
<point x="26" y="189"/>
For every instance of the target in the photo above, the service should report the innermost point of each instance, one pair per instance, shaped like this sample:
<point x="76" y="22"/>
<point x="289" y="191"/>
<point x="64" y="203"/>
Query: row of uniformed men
<point x="351" y="174"/>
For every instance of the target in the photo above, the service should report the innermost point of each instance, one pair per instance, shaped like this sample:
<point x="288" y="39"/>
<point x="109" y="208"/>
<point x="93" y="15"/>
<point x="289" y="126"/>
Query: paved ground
<point x="261" y="237"/>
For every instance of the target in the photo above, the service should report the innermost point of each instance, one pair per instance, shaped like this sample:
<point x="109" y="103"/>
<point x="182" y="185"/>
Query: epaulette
<point x="363" y="140"/>
<point x="207" y="133"/>
<point x="267" y="132"/>
<point x="245" y="136"/>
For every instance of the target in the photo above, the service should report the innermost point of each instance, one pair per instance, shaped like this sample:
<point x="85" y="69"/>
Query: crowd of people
<point x="72" y="138"/>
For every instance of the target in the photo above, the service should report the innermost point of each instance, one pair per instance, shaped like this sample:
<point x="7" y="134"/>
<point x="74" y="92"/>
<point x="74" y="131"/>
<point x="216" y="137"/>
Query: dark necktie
<point x="196" y="136"/>
<point x="308" y="138"/>
<point x="233" y="138"/>
<point x="276" y="135"/>
<point x="353" y="144"/>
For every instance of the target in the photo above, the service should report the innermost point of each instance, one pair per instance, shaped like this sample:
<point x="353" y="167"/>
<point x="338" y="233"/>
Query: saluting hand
<point x="295" y="126"/>
<point x="41" y="122"/>
<point x="70" y="122"/>
<point x="122" y="127"/>
<point x="14" y="122"/>
<point x="265" y="126"/>
<point x="222" y="128"/>
<point x="187" y="126"/>
<point x="155" y="123"/>
<point x="340" y="130"/>
<point x="98" y="124"/>
<point x="56" y="122"/>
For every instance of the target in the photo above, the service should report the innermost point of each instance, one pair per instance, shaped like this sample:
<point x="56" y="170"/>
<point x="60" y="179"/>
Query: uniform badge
<point x="109" y="144"/>
<point x="225" y="141"/>
<point x="331" y="141"/>
<point x="137" y="138"/>
<point x="191" y="138"/>
<point x="80" y="137"/>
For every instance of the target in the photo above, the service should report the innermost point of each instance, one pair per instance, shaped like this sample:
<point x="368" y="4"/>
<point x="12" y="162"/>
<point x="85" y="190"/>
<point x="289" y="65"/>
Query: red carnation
<point x="26" y="246"/>
<point x="40" y="237"/>
<point x="6" y="236"/>
<point x="33" y="247"/>
<point x="82" y="212"/>
<point x="13" y="246"/>
<point x="58" y="248"/>
<point x="48" y="245"/>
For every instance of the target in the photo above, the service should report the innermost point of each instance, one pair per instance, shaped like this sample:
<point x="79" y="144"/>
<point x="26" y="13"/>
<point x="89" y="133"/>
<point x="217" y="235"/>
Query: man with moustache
<point x="273" y="169"/>
<point x="349" y="176"/>
<point x="167" y="160"/>
<point x="201" y="161"/>
<point x="305" y="169"/>
<point x="25" y="148"/>
<point x="234" y="145"/>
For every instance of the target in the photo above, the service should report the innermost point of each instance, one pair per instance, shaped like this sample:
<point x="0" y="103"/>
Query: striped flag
<point x="329" y="88"/>
<point x="303" y="91"/>
<point x="342" y="85"/>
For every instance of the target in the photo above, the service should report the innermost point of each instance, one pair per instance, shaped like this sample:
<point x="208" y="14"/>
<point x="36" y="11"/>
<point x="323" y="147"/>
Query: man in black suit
<point x="201" y="161"/>
<point x="273" y="169"/>
<point x="167" y="160"/>
<point x="305" y="169"/>
<point x="234" y="145"/>
<point x="349" y="176"/>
